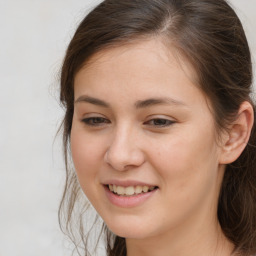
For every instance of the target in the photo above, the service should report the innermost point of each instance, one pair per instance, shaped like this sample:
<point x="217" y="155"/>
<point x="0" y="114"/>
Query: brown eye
<point x="95" y="121"/>
<point x="159" y="122"/>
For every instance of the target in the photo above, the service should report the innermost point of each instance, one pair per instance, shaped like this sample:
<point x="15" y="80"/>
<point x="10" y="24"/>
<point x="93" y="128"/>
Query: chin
<point x="129" y="230"/>
<point x="129" y="234"/>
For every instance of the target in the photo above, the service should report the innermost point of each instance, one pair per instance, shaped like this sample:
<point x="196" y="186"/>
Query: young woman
<point x="159" y="129"/>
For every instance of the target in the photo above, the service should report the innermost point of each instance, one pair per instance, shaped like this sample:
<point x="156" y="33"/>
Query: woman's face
<point x="143" y="129"/>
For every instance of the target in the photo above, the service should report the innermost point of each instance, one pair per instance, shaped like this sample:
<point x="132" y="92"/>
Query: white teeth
<point x="129" y="191"/>
<point x="138" y="189"/>
<point x="120" y="190"/>
<point x="145" y="189"/>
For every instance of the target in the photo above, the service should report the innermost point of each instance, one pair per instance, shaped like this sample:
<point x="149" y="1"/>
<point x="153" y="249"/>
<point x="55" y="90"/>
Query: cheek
<point x="188" y="163"/>
<point x="189" y="178"/>
<point x="86" y="155"/>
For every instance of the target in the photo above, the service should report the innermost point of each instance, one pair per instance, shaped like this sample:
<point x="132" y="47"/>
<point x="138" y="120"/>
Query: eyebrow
<point x="158" y="101"/>
<point x="138" y="105"/>
<point x="94" y="101"/>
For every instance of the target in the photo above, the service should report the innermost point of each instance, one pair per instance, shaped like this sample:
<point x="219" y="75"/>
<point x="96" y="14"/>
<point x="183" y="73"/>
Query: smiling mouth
<point x="131" y="190"/>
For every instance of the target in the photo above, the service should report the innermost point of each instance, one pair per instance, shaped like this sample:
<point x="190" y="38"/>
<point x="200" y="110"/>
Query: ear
<point x="238" y="134"/>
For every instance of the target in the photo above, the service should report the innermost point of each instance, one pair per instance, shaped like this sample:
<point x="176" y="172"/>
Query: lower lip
<point x="128" y="201"/>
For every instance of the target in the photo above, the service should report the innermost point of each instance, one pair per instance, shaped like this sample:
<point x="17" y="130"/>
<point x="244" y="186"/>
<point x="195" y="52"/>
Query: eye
<point x="160" y="122"/>
<point x="95" y="121"/>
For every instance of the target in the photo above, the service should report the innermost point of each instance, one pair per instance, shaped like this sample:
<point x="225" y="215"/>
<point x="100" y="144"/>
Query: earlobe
<point x="238" y="134"/>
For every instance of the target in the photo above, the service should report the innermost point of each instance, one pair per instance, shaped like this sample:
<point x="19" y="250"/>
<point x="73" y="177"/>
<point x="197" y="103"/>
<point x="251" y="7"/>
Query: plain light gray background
<point x="33" y="38"/>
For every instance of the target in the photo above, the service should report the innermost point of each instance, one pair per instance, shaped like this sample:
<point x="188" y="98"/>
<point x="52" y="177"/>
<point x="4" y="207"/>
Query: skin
<point x="113" y="138"/>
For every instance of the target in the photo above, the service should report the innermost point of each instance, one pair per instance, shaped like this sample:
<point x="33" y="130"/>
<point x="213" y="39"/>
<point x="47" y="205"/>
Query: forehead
<point x="143" y="68"/>
<point x="140" y="52"/>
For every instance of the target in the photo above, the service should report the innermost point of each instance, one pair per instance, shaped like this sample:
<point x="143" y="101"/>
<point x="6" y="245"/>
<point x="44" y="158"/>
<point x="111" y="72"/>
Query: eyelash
<point x="160" y="121"/>
<point x="156" y="122"/>
<point x="95" y="121"/>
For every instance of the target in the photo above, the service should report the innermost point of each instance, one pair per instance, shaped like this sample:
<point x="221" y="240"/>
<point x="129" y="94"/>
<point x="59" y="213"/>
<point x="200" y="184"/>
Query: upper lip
<point x="127" y="183"/>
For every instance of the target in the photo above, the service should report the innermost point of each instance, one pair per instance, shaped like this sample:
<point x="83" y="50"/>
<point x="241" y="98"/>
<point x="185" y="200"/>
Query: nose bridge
<point x="124" y="150"/>
<point x="121" y="135"/>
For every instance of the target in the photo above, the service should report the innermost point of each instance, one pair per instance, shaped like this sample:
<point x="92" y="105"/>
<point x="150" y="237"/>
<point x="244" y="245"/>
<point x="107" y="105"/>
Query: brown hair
<point x="209" y="35"/>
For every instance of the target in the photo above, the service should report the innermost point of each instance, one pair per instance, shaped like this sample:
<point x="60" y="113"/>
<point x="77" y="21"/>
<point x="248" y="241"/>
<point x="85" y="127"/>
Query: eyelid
<point x="90" y="119"/>
<point x="169" y="121"/>
<point x="92" y="115"/>
<point x="161" y="116"/>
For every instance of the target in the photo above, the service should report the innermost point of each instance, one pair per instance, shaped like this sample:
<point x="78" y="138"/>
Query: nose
<point x="124" y="152"/>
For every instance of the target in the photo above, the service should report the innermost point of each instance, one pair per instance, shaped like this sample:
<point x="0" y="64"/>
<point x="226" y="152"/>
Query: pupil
<point x="97" y="120"/>
<point x="160" y="122"/>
